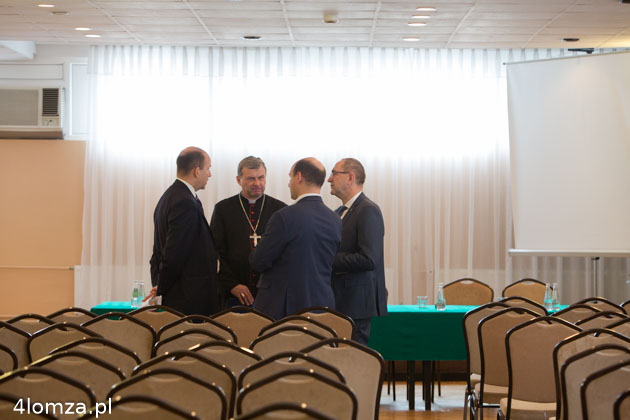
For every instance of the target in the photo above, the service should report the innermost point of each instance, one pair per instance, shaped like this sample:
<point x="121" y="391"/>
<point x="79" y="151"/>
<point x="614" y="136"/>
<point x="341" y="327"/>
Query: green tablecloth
<point x="103" y="308"/>
<point x="412" y="333"/>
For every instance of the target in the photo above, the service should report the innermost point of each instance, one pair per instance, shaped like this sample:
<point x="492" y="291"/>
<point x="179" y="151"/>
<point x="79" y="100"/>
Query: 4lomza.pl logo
<point x="66" y="408"/>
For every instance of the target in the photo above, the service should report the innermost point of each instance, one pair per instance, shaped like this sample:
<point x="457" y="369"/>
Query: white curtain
<point x="430" y="126"/>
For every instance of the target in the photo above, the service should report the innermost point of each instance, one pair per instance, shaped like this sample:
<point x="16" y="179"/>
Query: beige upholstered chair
<point x="300" y="386"/>
<point x="626" y="306"/>
<point x="532" y="391"/>
<point x="621" y="408"/>
<point x="198" y="322"/>
<point x="342" y="324"/>
<point x="285" y="411"/>
<point x="577" y="368"/>
<point x="44" y="385"/>
<point x="576" y="312"/>
<point x="523" y="302"/>
<point x="199" y="366"/>
<point x="177" y="388"/>
<point x="106" y="350"/>
<point x="361" y="366"/>
<point x="600" y="320"/>
<point x="125" y="330"/>
<point x="576" y="344"/>
<point x="300" y="321"/>
<point x="15" y="339"/>
<point x="530" y="288"/>
<point x="285" y="338"/>
<point x="600" y="390"/>
<point x="138" y="407"/>
<point x="91" y="371"/>
<point x="184" y="340"/>
<point x="602" y="304"/>
<point x="8" y="359"/>
<point x="156" y="316"/>
<point x="468" y="291"/>
<point x="284" y="361"/>
<point x="44" y="341"/>
<point x="8" y="412"/>
<point x="244" y="321"/>
<point x="622" y="326"/>
<point x="232" y="356"/>
<point x="31" y="323"/>
<point x="72" y="315"/>
<point x="491" y="332"/>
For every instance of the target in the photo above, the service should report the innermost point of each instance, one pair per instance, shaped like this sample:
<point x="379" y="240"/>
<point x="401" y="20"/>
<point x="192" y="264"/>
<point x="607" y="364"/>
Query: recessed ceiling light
<point x="82" y="29"/>
<point x="421" y="17"/>
<point x="411" y="39"/>
<point x="93" y="36"/>
<point x="417" y="24"/>
<point x="59" y="13"/>
<point x="252" y="37"/>
<point x="570" y="39"/>
<point x="426" y="9"/>
<point x="45" y="5"/>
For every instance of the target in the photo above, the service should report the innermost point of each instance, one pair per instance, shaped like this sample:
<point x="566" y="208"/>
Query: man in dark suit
<point x="359" y="272"/>
<point x="296" y="253"/>
<point x="237" y="225"/>
<point x="184" y="261"/>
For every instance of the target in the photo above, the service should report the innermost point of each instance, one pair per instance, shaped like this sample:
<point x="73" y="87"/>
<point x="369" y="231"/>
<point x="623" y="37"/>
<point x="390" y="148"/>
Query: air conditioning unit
<point x="31" y="113"/>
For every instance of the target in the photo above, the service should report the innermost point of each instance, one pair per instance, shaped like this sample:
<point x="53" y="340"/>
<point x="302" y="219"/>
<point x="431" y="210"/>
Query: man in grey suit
<point x="296" y="252"/>
<point x="358" y="270"/>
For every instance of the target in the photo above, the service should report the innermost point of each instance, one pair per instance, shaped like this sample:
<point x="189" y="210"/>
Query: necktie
<point x="199" y="202"/>
<point x="340" y="210"/>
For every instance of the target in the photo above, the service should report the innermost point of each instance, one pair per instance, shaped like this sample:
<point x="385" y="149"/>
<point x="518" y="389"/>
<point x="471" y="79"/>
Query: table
<point x="411" y="333"/>
<point x="114" y="306"/>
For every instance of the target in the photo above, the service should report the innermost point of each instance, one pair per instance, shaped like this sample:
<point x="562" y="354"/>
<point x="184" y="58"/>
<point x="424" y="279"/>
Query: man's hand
<point x="243" y="294"/>
<point x="151" y="294"/>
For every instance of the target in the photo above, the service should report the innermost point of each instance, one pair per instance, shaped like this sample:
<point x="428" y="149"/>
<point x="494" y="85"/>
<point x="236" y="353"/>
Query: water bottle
<point x="141" y="294"/>
<point x="135" y="295"/>
<point x="555" y="301"/>
<point x="548" y="301"/>
<point x="440" y="302"/>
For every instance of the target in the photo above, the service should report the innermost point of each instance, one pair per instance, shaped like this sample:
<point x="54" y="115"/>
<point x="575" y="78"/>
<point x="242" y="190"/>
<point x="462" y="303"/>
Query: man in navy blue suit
<point x="359" y="271"/>
<point x="296" y="252"/>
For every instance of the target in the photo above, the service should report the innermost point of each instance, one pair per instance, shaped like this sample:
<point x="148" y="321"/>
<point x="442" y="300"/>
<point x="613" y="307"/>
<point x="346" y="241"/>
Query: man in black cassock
<point x="237" y="224"/>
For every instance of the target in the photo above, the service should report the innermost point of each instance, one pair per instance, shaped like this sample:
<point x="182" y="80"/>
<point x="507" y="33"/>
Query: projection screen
<point x="569" y="125"/>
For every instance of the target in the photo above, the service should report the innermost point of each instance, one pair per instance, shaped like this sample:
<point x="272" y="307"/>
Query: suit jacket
<point x="295" y="257"/>
<point x="231" y="231"/>
<point x="359" y="271"/>
<point x="184" y="261"/>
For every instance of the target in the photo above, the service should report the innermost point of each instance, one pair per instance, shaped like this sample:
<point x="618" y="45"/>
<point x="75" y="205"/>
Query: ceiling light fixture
<point x="417" y="24"/>
<point x="251" y="37"/>
<point x="45" y="5"/>
<point x="570" y="39"/>
<point x="92" y="36"/>
<point x="59" y="13"/>
<point x="411" y="39"/>
<point x="426" y="9"/>
<point x="82" y="29"/>
<point x="421" y="17"/>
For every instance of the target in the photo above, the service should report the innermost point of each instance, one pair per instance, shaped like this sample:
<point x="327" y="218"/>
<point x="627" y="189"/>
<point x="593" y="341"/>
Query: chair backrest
<point x="184" y="340"/>
<point x="126" y="331"/>
<point x="491" y="334"/>
<point x="467" y="291"/>
<point x="232" y="356"/>
<point x="44" y="341"/>
<point x="97" y="374"/>
<point x="285" y="361"/>
<point x="198" y="322"/>
<point x="600" y="389"/>
<point x="73" y="315"/>
<point x="284" y="411"/>
<point x="300" y="321"/>
<point x="11" y="405"/>
<point x="600" y="320"/>
<point x="602" y="304"/>
<point x="44" y="386"/>
<point x="300" y="386"/>
<point x="576" y="344"/>
<point x="523" y="302"/>
<point x="286" y="338"/>
<point x="244" y="321"/>
<point x="106" y="350"/>
<point x="178" y="388"/>
<point x="342" y="324"/>
<point x="199" y="366"/>
<point x="621" y="408"/>
<point x="15" y="339"/>
<point x="31" y="323"/>
<point x="156" y="316"/>
<point x="361" y="366"/>
<point x="8" y="359"/>
<point x="626" y="306"/>
<point x="579" y="366"/>
<point x="530" y="288"/>
<point x="136" y="407"/>
<point x="530" y="359"/>
<point x="622" y="326"/>
<point x="576" y="312"/>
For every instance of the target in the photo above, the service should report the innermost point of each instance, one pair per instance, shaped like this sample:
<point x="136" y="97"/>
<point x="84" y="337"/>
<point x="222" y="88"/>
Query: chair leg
<point x="466" y="392"/>
<point x="393" y="379"/>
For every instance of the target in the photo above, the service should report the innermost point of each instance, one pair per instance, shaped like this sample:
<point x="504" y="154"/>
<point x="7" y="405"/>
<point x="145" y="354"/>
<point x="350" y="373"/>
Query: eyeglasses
<point x="338" y="172"/>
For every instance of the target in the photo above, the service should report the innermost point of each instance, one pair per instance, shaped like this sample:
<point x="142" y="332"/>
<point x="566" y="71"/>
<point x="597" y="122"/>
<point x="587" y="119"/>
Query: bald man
<point x="297" y="250"/>
<point x="184" y="261"/>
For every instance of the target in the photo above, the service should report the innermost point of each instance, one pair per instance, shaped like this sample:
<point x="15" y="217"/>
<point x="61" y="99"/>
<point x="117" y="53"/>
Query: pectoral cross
<point x="255" y="237"/>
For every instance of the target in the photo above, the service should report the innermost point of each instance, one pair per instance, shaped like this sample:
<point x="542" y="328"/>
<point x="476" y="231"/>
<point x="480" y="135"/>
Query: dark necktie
<point x="199" y="202"/>
<point x="340" y="210"/>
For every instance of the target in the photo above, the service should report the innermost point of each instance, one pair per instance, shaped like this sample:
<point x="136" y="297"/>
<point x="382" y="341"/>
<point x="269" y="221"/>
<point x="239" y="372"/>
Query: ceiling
<point x="455" y="23"/>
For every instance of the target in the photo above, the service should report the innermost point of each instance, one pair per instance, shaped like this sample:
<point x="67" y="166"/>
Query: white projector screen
<point x="570" y="155"/>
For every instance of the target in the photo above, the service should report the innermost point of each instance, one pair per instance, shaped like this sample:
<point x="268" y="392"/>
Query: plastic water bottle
<point x="141" y="294"/>
<point x="555" y="301"/>
<point x="135" y="295"/>
<point x="440" y="302"/>
<point x="548" y="302"/>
